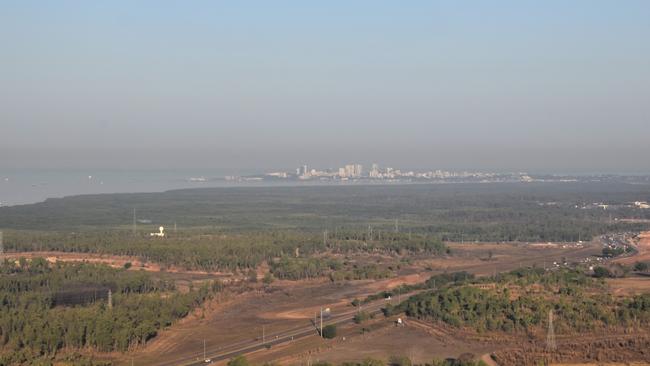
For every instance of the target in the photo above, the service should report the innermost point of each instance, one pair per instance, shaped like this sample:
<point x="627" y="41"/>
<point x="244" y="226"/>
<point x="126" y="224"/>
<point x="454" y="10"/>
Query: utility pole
<point x="110" y="299"/>
<point x="325" y="238"/>
<point x="2" y="247"/>
<point x="134" y="222"/>
<point x="174" y="227"/>
<point x="397" y="225"/>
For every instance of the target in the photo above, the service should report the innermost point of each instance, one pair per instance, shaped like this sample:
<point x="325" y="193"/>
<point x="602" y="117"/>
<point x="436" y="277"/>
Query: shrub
<point x="641" y="266"/>
<point x="361" y="317"/>
<point x="329" y="331"/>
<point x="268" y="278"/>
<point x="238" y="361"/>
<point x="399" y="361"/>
<point x="601" y="272"/>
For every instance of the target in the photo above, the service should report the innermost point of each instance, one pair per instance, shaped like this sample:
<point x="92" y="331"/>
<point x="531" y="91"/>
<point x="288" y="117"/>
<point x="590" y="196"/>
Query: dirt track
<point x="643" y="248"/>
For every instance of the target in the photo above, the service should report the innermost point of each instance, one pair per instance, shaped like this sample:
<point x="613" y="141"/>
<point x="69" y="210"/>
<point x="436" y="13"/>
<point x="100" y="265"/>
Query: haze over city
<point x="545" y="87"/>
<point x="325" y="183"/>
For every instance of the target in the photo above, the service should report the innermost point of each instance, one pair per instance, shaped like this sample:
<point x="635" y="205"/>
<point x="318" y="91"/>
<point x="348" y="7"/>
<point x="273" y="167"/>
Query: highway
<point x="240" y="348"/>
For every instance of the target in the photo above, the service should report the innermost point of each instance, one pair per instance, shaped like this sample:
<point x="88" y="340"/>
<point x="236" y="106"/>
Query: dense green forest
<point x="520" y="301"/>
<point x="239" y="228"/>
<point x="484" y="212"/>
<point x="195" y="249"/>
<point x="33" y="327"/>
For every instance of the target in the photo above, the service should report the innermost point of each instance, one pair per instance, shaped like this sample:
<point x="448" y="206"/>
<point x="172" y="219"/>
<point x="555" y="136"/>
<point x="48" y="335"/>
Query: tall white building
<point x="351" y="171"/>
<point x="358" y="170"/>
<point x="374" y="172"/>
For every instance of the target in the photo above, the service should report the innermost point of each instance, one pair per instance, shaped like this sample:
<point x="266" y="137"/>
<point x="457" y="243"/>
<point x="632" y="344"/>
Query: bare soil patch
<point x="629" y="286"/>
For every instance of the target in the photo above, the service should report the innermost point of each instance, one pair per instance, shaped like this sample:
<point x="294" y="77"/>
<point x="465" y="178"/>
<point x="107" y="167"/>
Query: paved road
<point x="244" y="347"/>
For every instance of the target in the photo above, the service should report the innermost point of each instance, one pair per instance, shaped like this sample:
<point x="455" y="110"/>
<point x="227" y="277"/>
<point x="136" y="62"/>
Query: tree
<point x="329" y="331"/>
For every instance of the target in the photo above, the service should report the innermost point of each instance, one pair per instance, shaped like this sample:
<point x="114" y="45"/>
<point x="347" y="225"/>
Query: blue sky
<point x="530" y="85"/>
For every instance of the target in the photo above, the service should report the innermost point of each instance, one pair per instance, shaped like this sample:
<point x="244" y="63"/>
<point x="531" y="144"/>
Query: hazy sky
<point x="507" y="85"/>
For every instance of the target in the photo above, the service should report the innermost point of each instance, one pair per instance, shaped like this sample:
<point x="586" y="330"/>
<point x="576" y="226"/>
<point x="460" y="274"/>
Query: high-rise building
<point x="358" y="170"/>
<point x="374" y="172"/>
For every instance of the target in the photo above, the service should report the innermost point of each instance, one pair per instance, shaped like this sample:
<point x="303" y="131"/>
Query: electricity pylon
<point x="551" y="344"/>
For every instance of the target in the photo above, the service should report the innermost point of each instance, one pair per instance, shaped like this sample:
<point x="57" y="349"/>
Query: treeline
<point x="520" y="301"/>
<point x="206" y="250"/>
<point x="304" y="268"/>
<point x="348" y="241"/>
<point x="434" y="282"/>
<point x="32" y="328"/>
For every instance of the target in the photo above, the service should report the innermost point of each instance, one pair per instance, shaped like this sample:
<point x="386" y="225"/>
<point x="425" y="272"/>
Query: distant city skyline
<point x="544" y="161"/>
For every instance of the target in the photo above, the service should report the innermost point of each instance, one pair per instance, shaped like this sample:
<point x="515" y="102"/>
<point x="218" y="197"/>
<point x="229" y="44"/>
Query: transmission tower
<point x="551" y="345"/>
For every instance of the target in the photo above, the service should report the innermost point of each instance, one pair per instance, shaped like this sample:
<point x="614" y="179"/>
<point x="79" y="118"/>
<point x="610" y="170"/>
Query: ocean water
<point x="24" y="186"/>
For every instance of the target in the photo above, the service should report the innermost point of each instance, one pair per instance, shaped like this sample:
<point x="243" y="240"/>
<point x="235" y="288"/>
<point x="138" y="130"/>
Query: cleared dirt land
<point x="290" y="304"/>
